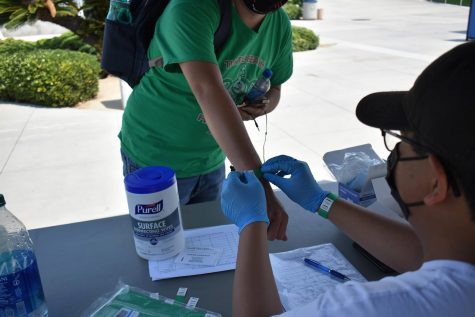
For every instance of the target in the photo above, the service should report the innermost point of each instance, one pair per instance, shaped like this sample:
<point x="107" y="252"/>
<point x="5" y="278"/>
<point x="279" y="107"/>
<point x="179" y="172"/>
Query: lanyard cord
<point x="265" y="140"/>
<point x="265" y="134"/>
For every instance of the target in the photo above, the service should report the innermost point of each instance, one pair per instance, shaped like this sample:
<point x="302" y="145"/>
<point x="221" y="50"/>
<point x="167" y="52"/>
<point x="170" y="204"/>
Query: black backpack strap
<point x="224" y="27"/>
<point x="220" y="36"/>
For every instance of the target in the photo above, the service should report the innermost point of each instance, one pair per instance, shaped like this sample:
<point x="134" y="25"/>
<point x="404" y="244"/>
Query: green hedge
<point x="67" y="41"/>
<point x="294" y="11"/>
<point x="48" y="77"/>
<point x="11" y="46"/>
<point x="304" y="39"/>
<point x="465" y="3"/>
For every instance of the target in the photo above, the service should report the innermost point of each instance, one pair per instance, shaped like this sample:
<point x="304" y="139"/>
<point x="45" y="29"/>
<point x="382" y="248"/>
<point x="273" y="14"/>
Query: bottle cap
<point x="2" y="200"/>
<point x="267" y="73"/>
<point x="149" y="179"/>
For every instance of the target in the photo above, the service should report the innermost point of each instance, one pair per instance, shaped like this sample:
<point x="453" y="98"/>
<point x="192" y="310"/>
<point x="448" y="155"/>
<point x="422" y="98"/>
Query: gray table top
<point x="81" y="262"/>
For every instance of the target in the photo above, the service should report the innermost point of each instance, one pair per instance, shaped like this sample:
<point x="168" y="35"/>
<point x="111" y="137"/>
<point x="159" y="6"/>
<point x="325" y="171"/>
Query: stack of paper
<point x="299" y="284"/>
<point x="207" y="250"/>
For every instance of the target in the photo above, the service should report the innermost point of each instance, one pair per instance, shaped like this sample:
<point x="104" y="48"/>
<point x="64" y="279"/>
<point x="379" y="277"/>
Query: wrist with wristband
<point x="257" y="172"/>
<point x="326" y="205"/>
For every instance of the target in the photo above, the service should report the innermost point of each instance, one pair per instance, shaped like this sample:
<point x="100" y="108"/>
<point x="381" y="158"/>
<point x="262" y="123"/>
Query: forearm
<point x="254" y="292"/>
<point x="221" y="114"/>
<point x="227" y="127"/>
<point x="392" y="242"/>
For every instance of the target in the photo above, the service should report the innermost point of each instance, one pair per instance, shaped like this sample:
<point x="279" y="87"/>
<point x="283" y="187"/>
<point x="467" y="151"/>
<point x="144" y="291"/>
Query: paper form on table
<point x="223" y="238"/>
<point x="299" y="284"/>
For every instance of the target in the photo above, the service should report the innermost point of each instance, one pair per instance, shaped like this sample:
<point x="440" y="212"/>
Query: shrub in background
<point x="11" y="46"/>
<point x="294" y="11"/>
<point x="304" y="39"/>
<point x="297" y="2"/>
<point x="48" y="77"/>
<point x="67" y="41"/>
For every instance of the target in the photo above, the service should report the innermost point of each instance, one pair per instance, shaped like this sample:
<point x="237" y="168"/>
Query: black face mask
<point x="264" y="6"/>
<point x="392" y="161"/>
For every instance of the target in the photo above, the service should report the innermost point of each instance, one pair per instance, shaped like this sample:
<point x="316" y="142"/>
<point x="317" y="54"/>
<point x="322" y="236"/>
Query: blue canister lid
<point x="149" y="179"/>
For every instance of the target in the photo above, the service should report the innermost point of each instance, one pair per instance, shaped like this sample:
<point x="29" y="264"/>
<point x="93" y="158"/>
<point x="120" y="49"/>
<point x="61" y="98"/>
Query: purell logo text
<point x="149" y="209"/>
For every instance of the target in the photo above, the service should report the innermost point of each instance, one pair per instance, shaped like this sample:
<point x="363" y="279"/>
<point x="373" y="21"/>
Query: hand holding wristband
<point x="326" y="205"/>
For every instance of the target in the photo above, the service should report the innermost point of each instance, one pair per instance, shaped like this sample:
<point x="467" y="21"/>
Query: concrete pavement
<point x="63" y="165"/>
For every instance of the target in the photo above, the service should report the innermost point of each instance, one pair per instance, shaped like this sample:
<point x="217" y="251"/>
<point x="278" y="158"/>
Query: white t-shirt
<point x="439" y="288"/>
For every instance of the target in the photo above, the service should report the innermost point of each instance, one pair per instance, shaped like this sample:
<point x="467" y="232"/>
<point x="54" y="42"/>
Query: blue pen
<point x="317" y="265"/>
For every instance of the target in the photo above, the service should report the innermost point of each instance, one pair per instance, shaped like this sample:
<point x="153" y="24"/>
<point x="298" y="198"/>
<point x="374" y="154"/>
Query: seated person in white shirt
<point x="431" y="172"/>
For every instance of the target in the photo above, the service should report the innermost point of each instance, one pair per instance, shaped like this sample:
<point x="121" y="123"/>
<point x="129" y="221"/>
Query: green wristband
<point x="258" y="173"/>
<point x="327" y="203"/>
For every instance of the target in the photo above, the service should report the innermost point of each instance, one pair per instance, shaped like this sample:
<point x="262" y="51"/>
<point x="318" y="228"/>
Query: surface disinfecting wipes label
<point x="155" y="216"/>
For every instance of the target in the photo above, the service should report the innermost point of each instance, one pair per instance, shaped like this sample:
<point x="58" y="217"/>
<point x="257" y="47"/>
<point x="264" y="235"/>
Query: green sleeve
<point x="185" y="32"/>
<point x="283" y="65"/>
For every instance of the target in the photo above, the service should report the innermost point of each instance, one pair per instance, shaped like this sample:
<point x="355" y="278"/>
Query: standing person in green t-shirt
<point x="184" y="115"/>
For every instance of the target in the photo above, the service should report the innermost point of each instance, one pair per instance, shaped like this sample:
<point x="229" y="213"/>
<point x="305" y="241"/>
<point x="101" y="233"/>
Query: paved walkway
<point x="63" y="165"/>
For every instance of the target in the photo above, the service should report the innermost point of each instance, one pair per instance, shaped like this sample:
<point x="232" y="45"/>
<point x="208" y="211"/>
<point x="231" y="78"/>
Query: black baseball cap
<point x="439" y="108"/>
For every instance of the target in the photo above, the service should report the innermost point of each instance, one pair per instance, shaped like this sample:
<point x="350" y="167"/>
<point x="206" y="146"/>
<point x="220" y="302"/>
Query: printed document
<point x="213" y="248"/>
<point x="299" y="284"/>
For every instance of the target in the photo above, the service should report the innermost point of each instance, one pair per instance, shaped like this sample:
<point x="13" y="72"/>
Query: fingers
<point x="282" y="233"/>
<point x="278" y="220"/>
<point x="273" y="228"/>
<point x="254" y="111"/>
<point x="283" y="163"/>
<point x="275" y="179"/>
<point x="278" y="225"/>
<point x="245" y="116"/>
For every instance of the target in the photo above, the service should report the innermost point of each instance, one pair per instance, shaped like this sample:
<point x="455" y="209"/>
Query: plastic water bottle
<point x="119" y="11"/>
<point x="21" y="293"/>
<point x="261" y="86"/>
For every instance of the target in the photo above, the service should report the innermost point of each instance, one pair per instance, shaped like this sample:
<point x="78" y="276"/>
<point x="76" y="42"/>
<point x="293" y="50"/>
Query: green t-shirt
<point x="163" y="123"/>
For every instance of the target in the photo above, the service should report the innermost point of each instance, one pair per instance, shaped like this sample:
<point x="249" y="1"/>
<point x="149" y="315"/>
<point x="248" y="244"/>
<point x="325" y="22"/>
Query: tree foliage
<point x="87" y="20"/>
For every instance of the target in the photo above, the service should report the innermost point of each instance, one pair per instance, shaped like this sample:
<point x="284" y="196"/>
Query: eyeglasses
<point x="395" y="157"/>
<point x="391" y="139"/>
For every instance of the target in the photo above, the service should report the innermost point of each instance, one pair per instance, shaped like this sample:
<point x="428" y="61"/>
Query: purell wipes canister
<point x="154" y="208"/>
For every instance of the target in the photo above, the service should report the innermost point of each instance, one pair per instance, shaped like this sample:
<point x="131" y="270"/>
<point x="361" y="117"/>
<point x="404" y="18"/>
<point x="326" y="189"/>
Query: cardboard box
<point x="367" y="194"/>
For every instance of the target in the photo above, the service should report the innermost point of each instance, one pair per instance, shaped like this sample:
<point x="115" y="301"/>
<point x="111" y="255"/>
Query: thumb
<point x="251" y="177"/>
<point x="233" y="176"/>
<point x="231" y="180"/>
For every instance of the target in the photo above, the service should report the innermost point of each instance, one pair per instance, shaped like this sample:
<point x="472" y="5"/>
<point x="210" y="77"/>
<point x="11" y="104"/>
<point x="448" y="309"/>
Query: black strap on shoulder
<point x="224" y="27"/>
<point x="220" y="36"/>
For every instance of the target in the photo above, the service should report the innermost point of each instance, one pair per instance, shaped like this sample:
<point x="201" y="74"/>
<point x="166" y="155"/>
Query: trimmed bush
<point x="297" y="2"/>
<point x="11" y="46"/>
<point x="294" y="11"/>
<point x="304" y="39"/>
<point x="66" y="41"/>
<point x="48" y="77"/>
<point x="465" y="3"/>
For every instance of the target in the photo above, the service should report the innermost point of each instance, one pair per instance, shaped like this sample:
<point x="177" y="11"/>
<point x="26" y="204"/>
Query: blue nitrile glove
<point x="243" y="199"/>
<point x="301" y="187"/>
